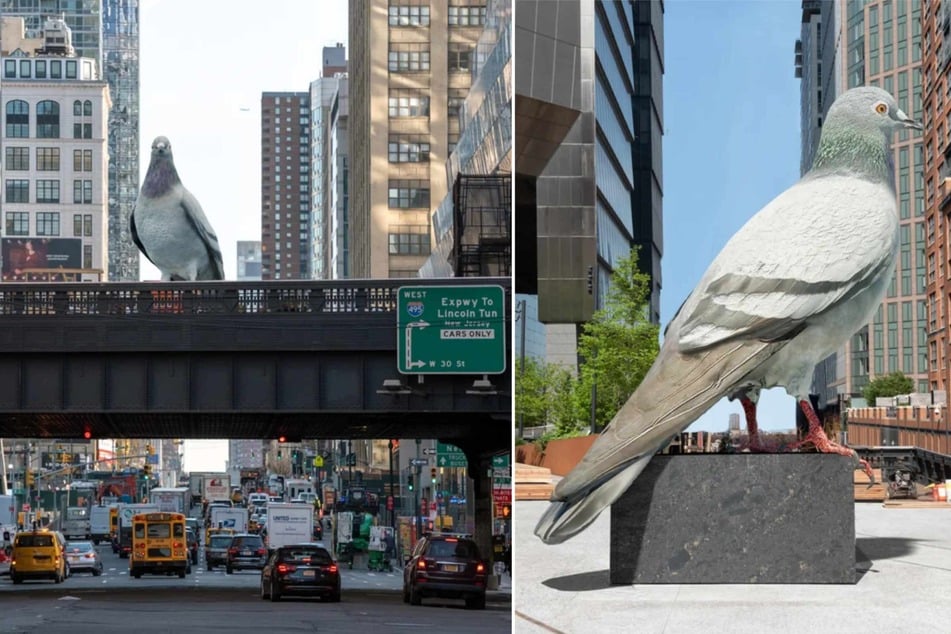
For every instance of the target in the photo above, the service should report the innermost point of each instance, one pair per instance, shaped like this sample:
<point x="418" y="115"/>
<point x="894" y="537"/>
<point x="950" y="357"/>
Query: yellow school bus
<point x="158" y="544"/>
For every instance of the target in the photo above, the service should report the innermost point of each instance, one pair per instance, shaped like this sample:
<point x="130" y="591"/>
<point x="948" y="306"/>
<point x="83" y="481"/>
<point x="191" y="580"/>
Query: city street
<point x="215" y="601"/>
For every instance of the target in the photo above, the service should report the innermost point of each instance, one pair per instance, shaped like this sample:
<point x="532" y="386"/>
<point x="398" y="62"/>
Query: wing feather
<point x="199" y="222"/>
<point x="813" y="247"/>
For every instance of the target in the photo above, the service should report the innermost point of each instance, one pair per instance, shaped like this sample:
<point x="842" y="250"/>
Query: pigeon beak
<point x="907" y="121"/>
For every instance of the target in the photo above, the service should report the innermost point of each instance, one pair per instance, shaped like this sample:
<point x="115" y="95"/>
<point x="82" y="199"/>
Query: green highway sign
<point x="451" y="329"/>
<point x="501" y="462"/>
<point x="450" y="456"/>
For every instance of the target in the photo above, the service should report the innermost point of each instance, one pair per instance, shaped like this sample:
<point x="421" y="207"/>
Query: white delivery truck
<point x="171" y="499"/>
<point x="99" y="526"/>
<point x="289" y="524"/>
<point x="235" y="518"/>
<point x="76" y="522"/>
<point x="126" y="513"/>
<point x="217" y="488"/>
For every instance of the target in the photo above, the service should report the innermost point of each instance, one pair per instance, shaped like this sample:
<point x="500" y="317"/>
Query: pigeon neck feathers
<point x="858" y="152"/>
<point x="160" y="178"/>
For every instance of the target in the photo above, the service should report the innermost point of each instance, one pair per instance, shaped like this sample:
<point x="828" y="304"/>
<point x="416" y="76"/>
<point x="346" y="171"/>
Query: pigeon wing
<point x="135" y="235"/>
<point x="802" y="255"/>
<point x="203" y="228"/>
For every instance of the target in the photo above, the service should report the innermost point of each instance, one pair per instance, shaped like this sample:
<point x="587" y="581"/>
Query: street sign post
<point x="450" y="456"/>
<point x="451" y="329"/>
<point x="429" y="451"/>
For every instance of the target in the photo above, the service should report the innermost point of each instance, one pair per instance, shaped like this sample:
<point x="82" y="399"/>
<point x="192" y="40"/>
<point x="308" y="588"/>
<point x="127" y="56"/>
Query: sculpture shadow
<point x="868" y="550"/>
<point x="581" y="582"/>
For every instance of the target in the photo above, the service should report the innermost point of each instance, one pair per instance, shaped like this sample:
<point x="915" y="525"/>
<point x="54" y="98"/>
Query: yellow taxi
<point x="39" y="554"/>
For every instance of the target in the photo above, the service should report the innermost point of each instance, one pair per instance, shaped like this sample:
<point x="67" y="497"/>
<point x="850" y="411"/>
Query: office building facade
<point x="403" y="129"/>
<point x="588" y="126"/>
<point x="55" y="160"/>
<point x="106" y="31"/>
<point x="285" y="185"/>
<point x="875" y="43"/>
<point x="249" y="260"/>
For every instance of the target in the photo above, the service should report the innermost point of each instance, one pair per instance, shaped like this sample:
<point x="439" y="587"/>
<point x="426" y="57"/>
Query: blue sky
<point x="731" y="144"/>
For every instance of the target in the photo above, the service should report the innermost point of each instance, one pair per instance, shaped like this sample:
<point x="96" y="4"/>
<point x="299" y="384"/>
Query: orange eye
<point x="881" y="108"/>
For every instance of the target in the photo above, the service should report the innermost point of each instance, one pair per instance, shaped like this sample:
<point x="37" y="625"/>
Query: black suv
<point x="191" y="538"/>
<point x="447" y="566"/>
<point x="246" y="551"/>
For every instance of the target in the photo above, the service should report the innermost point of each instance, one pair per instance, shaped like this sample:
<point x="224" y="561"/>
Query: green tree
<point x="888" y="385"/>
<point x="541" y="392"/>
<point x="617" y="346"/>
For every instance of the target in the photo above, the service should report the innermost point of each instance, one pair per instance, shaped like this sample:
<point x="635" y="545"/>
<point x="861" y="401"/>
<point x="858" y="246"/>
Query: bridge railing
<point x="233" y="298"/>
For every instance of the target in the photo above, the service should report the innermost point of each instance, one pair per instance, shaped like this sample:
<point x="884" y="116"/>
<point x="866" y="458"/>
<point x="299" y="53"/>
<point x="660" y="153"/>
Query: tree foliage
<point x="888" y="385"/>
<point x="618" y="345"/>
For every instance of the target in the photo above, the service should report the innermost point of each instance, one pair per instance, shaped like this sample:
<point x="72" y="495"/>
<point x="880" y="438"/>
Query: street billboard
<point x="30" y="254"/>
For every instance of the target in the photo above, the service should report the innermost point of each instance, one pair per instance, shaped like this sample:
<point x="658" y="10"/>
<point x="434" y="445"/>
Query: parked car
<point x="83" y="557"/>
<point x="39" y="554"/>
<point x="246" y="551"/>
<point x="216" y="551"/>
<point x="191" y="538"/>
<point x="445" y="566"/>
<point x="300" y="569"/>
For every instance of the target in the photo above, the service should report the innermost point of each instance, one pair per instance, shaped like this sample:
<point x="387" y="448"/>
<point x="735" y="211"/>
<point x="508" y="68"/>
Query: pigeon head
<point x="857" y="132"/>
<point x="871" y="109"/>
<point x="161" y="175"/>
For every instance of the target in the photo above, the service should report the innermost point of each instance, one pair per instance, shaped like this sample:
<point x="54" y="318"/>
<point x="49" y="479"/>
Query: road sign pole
<point x="419" y="522"/>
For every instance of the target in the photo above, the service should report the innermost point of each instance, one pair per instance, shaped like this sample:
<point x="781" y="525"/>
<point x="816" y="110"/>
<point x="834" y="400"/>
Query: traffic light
<point x="30" y="478"/>
<point x="506" y="511"/>
<point x="147" y="471"/>
<point x="409" y="481"/>
<point x="432" y="474"/>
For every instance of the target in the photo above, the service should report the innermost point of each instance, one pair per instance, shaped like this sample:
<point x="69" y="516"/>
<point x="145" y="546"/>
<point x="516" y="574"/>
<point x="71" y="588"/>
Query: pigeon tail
<point x="676" y="391"/>
<point x="564" y="519"/>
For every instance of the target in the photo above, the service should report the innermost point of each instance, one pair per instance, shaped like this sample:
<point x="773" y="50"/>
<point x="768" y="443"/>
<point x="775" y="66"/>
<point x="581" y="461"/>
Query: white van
<point x="257" y="499"/>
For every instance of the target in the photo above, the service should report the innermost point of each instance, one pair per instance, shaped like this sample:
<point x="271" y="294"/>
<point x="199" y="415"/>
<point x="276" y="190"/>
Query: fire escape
<point x="482" y="222"/>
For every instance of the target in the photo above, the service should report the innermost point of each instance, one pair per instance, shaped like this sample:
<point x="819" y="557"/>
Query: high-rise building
<point x="108" y="32"/>
<point x="285" y="185"/>
<point x="472" y="224"/>
<point x="55" y="163"/>
<point x="936" y="18"/>
<point x="410" y="71"/>
<point x="875" y="43"/>
<point x="339" y="168"/>
<point x="249" y="260"/>
<point x="588" y="128"/>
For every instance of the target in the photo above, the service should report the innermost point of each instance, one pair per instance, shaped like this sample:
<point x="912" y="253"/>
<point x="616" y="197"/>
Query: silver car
<point x="83" y="557"/>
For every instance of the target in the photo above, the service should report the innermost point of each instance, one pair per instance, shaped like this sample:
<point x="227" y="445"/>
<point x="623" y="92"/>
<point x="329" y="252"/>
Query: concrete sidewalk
<point x="904" y="569"/>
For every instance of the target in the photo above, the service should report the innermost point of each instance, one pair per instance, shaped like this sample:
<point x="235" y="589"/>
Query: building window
<point x="408" y="15"/>
<point x="70" y="69"/>
<point x="408" y="148"/>
<point x="18" y="223"/>
<point x="17" y="191"/>
<point x="87" y="256"/>
<point x="25" y="66"/>
<point x="47" y="159"/>
<point x="41" y="69"/>
<point x="408" y="103"/>
<point x="466" y="16"/>
<point x="17" y="159"/>
<point x="82" y="160"/>
<point x="82" y="130"/>
<point x="18" y="119"/>
<point x="9" y="69"/>
<point x="408" y="57"/>
<point x="56" y="69"/>
<point x="409" y="240"/>
<point x="77" y="108"/>
<point x="47" y="191"/>
<point x="82" y="192"/>
<point x="409" y="194"/>
<point x="47" y="223"/>
<point x="47" y="120"/>
<point x="460" y="55"/>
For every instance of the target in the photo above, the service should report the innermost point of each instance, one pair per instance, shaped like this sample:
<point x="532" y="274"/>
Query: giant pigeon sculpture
<point x="169" y="226"/>
<point x="794" y="283"/>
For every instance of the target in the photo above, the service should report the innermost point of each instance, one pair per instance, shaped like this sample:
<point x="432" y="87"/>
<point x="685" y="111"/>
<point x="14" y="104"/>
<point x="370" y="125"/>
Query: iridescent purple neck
<point x="160" y="178"/>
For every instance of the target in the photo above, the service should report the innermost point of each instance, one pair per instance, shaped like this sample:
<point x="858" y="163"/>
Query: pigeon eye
<point x="881" y="108"/>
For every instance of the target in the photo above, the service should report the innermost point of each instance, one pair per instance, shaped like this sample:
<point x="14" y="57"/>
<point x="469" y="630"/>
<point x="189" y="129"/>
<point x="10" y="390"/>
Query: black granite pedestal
<point x="737" y="518"/>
